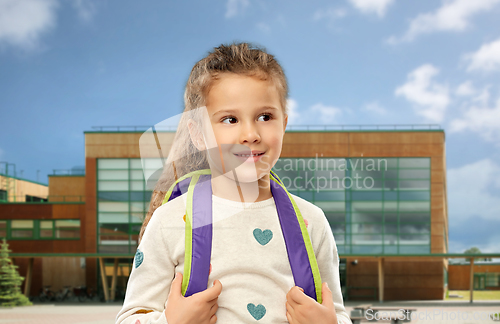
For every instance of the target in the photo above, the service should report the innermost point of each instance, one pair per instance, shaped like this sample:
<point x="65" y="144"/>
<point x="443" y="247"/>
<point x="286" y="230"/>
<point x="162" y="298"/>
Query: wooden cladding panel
<point x="89" y="226"/>
<point x="414" y="293"/>
<point x="395" y="150"/>
<point x="295" y="144"/>
<point x="311" y="150"/>
<point x="69" y="246"/>
<point x="404" y="279"/>
<point x="113" y="151"/>
<point x="124" y="145"/>
<point x="68" y="211"/>
<point x="67" y="186"/>
<point x="402" y="137"/>
<point x="316" y="138"/>
<point x="59" y="272"/>
<point x="30" y="246"/>
<point x="26" y="211"/>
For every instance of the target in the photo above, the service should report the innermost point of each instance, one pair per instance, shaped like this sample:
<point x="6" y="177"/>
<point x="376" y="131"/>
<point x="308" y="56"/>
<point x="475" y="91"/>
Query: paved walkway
<point x="440" y="312"/>
<point x="60" y="314"/>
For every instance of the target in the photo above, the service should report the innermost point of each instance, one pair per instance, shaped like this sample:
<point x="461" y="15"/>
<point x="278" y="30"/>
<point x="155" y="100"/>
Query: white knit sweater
<point x="251" y="272"/>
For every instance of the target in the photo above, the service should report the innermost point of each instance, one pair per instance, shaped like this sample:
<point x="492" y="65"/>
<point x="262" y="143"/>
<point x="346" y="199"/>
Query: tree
<point x="10" y="280"/>
<point x="475" y="250"/>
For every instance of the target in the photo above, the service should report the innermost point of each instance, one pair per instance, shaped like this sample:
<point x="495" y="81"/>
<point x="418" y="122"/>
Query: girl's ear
<point x="285" y="123"/>
<point x="196" y="135"/>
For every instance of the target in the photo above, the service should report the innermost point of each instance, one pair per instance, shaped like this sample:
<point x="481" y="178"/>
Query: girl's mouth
<point x="249" y="157"/>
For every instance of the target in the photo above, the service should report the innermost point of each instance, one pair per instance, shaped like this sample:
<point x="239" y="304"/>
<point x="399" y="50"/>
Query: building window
<point x="35" y="199"/>
<point x="64" y="229"/>
<point x="374" y="205"/>
<point x="21" y="229"/>
<point x="3" y="195"/>
<point x="122" y="203"/>
<point x="46" y="229"/>
<point x="67" y="229"/>
<point x="493" y="279"/>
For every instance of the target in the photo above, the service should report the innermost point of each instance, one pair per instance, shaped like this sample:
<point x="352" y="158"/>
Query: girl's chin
<point x="242" y="174"/>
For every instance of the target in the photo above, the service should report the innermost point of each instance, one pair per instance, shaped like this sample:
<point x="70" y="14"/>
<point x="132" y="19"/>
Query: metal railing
<point x="68" y="171"/>
<point x="364" y="127"/>
<point x="291" y="127"/>
<point x="122" y="128"/>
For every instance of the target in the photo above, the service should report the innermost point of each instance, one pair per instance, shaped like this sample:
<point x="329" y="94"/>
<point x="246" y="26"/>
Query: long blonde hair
<point x="240" y="58"/>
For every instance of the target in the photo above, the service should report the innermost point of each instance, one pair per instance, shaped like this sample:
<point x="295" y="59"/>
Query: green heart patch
<point x="263" y="237"/>
<point x="139" y="257"/>
<point x="256" y="311"/>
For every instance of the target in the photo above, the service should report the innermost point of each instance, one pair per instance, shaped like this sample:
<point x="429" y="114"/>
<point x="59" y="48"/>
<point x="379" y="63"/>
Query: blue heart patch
<point x="256" y="311"/>
<point x="139" y="257"/>
<point x="263" y="237"/>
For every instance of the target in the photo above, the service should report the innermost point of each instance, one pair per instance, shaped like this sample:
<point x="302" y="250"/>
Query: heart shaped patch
<point x="263" y="237"/>
<point x="256" y="311"/>
<point x="139" y="257"/>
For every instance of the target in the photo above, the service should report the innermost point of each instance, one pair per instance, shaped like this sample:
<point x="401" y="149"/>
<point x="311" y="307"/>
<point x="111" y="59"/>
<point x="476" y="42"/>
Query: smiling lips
<point x="249" y="157"/>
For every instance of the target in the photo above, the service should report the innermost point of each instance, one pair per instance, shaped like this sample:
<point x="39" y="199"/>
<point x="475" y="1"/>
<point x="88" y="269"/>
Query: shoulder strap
<point x="198" y="228"/>
<point x="198" y="234"/>
<point x="301" y="255"/>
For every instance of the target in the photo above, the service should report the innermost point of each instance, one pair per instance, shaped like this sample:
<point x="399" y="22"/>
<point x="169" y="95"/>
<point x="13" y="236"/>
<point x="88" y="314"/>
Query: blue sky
<point x="68" y="65"/>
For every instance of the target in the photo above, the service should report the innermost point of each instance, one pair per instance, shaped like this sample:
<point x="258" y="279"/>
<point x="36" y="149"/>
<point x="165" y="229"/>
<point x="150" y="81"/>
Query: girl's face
<point x="248" y="126"/>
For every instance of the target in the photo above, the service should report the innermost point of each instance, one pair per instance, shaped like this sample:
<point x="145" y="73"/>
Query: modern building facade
<point x="383" y="192"/>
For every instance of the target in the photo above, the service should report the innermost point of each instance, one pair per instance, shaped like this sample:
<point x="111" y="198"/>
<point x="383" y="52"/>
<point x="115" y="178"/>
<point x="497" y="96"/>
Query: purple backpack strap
<point x="201" y="232"/>
<point x="294" y="241"/>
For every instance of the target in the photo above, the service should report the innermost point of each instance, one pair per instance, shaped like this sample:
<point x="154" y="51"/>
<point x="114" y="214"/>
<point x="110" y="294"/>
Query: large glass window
<point x="46" y="229"/>
<point x="36" y="229"/>
<point x="67" y="228"/>
<point x="122" y="202"/>
<point x="21" y="228"/>
<point x="374" y="205"/>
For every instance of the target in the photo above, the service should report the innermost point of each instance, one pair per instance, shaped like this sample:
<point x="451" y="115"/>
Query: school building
<point x="383" y="190"/>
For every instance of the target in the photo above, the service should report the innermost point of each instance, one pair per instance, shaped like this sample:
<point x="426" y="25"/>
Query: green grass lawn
<point x="478" y="295"/>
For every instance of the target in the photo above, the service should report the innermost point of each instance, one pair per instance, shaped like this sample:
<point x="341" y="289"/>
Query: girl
<point x="234" y="122"/>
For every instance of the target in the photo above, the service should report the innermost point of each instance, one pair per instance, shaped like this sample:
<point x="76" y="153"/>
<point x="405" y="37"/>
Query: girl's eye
<point x="265" y="117"/>
<point x="229" y="120"/>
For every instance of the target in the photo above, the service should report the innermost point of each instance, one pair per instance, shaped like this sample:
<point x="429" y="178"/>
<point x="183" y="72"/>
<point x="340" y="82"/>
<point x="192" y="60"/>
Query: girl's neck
<point x="227" y="188"/>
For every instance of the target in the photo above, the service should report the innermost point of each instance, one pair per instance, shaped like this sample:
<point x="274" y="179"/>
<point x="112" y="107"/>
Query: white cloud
<point x="377" y="7"/>
<point x="331" y="15"/>
<point x="480" y="118"/>
<point x="318" y="114"/>
<point x="486" y="59"/>
<point x="375" y="107"/>
<point x="465" y="89"/>
<point x="263" y="27"/>
<point x="236" y="7"/>
<point x="453" y="15"/>
<point x="430" y="98"/>
<point x="293" y="113"/>
<point x="23" y="22"/>
<point x="324" y="114"/>
<point x="86" y="9"/>
<point x="469" y="191"/>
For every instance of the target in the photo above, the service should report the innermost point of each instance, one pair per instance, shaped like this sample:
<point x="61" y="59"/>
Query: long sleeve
<point x="328" y="263"/>
<point x="149" y="283"/>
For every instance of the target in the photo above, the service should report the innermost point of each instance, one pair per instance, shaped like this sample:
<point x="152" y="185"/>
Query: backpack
<point x="198" y="234"/>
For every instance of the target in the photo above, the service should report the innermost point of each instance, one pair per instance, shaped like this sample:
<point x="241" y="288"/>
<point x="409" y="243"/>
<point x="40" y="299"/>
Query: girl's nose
<point x="249" y="133"/>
